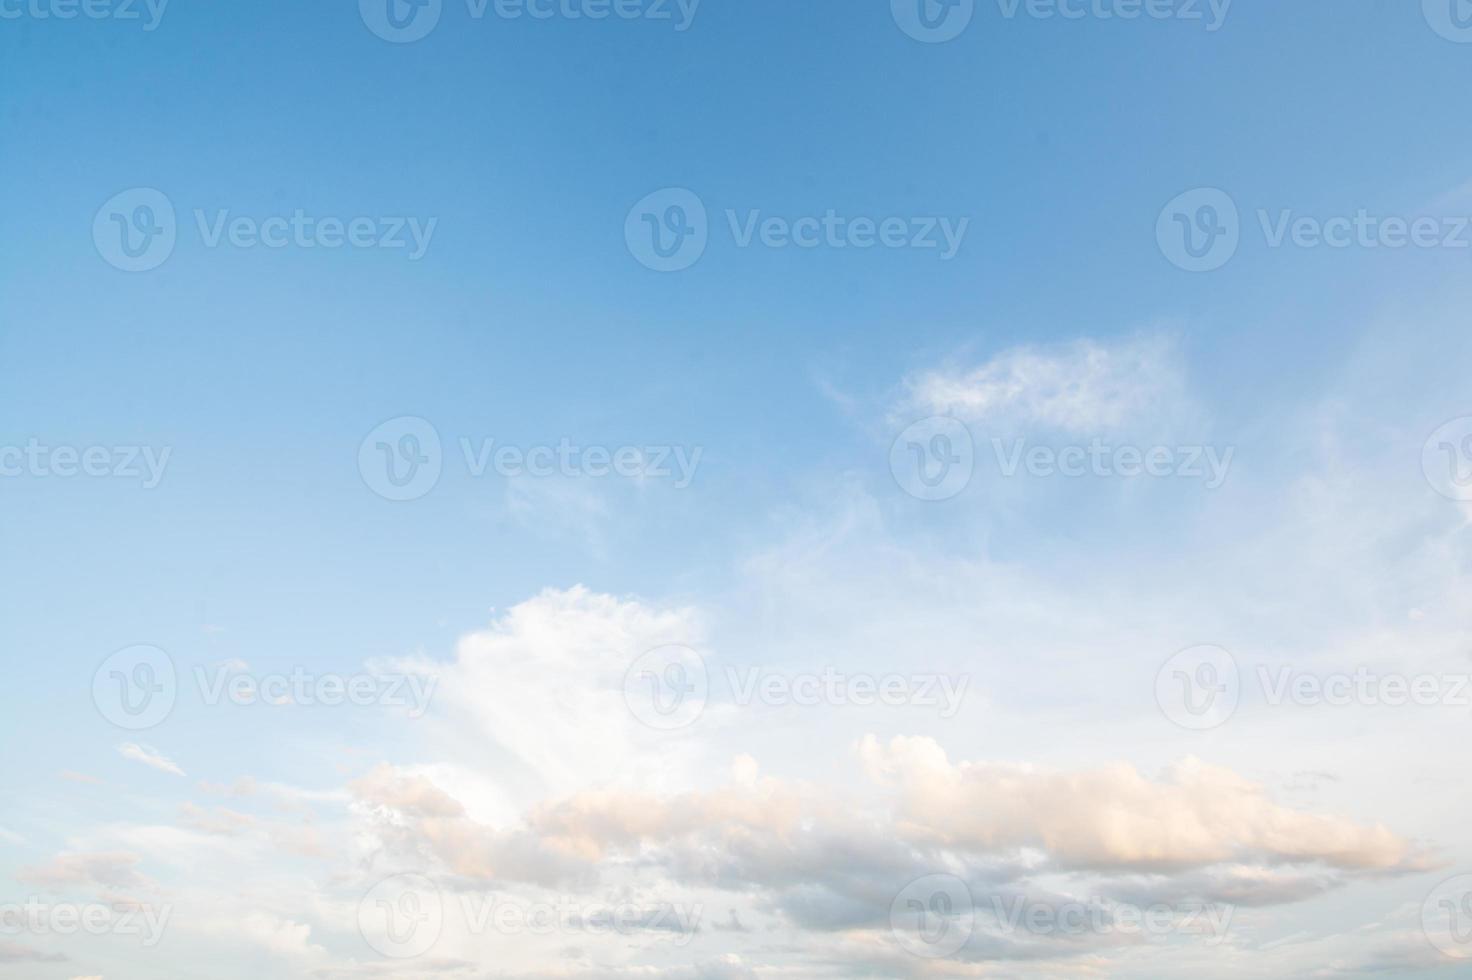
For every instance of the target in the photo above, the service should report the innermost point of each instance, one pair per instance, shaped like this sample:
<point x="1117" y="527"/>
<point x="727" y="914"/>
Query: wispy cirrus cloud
<point x="1083" y="387"/>
<point x="149" y="757"/>
<point x="108" y="870"/>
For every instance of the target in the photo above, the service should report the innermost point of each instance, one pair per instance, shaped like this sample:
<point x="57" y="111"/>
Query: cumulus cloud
<point x="531" y="773"/>
<point x="538" y="695"/>
<point x="413" y="823"/>
<point x="536" y="699"/>
<point x="234" y="925"/>
<point x="280" y="936"/>
<point x="408" y="793"/>
<point x="820" y="861"/>
<point x="537" y="777"/>
<point x="1116" y="818"/>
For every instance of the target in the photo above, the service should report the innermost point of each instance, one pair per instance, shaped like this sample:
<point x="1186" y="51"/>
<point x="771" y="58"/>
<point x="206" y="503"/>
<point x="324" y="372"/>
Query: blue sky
<point x="521" y="147"/>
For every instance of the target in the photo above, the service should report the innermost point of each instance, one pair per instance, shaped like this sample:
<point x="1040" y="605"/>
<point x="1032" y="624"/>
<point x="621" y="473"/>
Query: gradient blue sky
<point x="529" y="321"/>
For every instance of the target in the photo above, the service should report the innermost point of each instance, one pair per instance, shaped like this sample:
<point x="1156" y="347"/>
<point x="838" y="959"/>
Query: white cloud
<point x="530" y="773"/>
<point x="824" y="860"/>
<point x="220" y="821"/>
<point x="406" y="793"/>
<point x="1116" y="818"/>
<point x="112" y="870"/>
<point x="149" y="757"/>
<point x="1086" y="387"/>
<point x="538" y="697"/>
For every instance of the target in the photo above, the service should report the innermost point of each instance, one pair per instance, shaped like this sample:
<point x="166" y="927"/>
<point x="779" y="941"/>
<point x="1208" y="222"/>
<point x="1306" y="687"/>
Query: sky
<point x="713" y="491"/>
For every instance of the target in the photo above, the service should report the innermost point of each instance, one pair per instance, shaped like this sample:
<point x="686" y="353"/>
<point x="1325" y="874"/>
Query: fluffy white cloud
<point x="825" y="860"/>
<point x="1116" y="818"/>
<point x="538" y="697"/>
<point x="530" y="775"/>
<point x="407" y="793"/>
